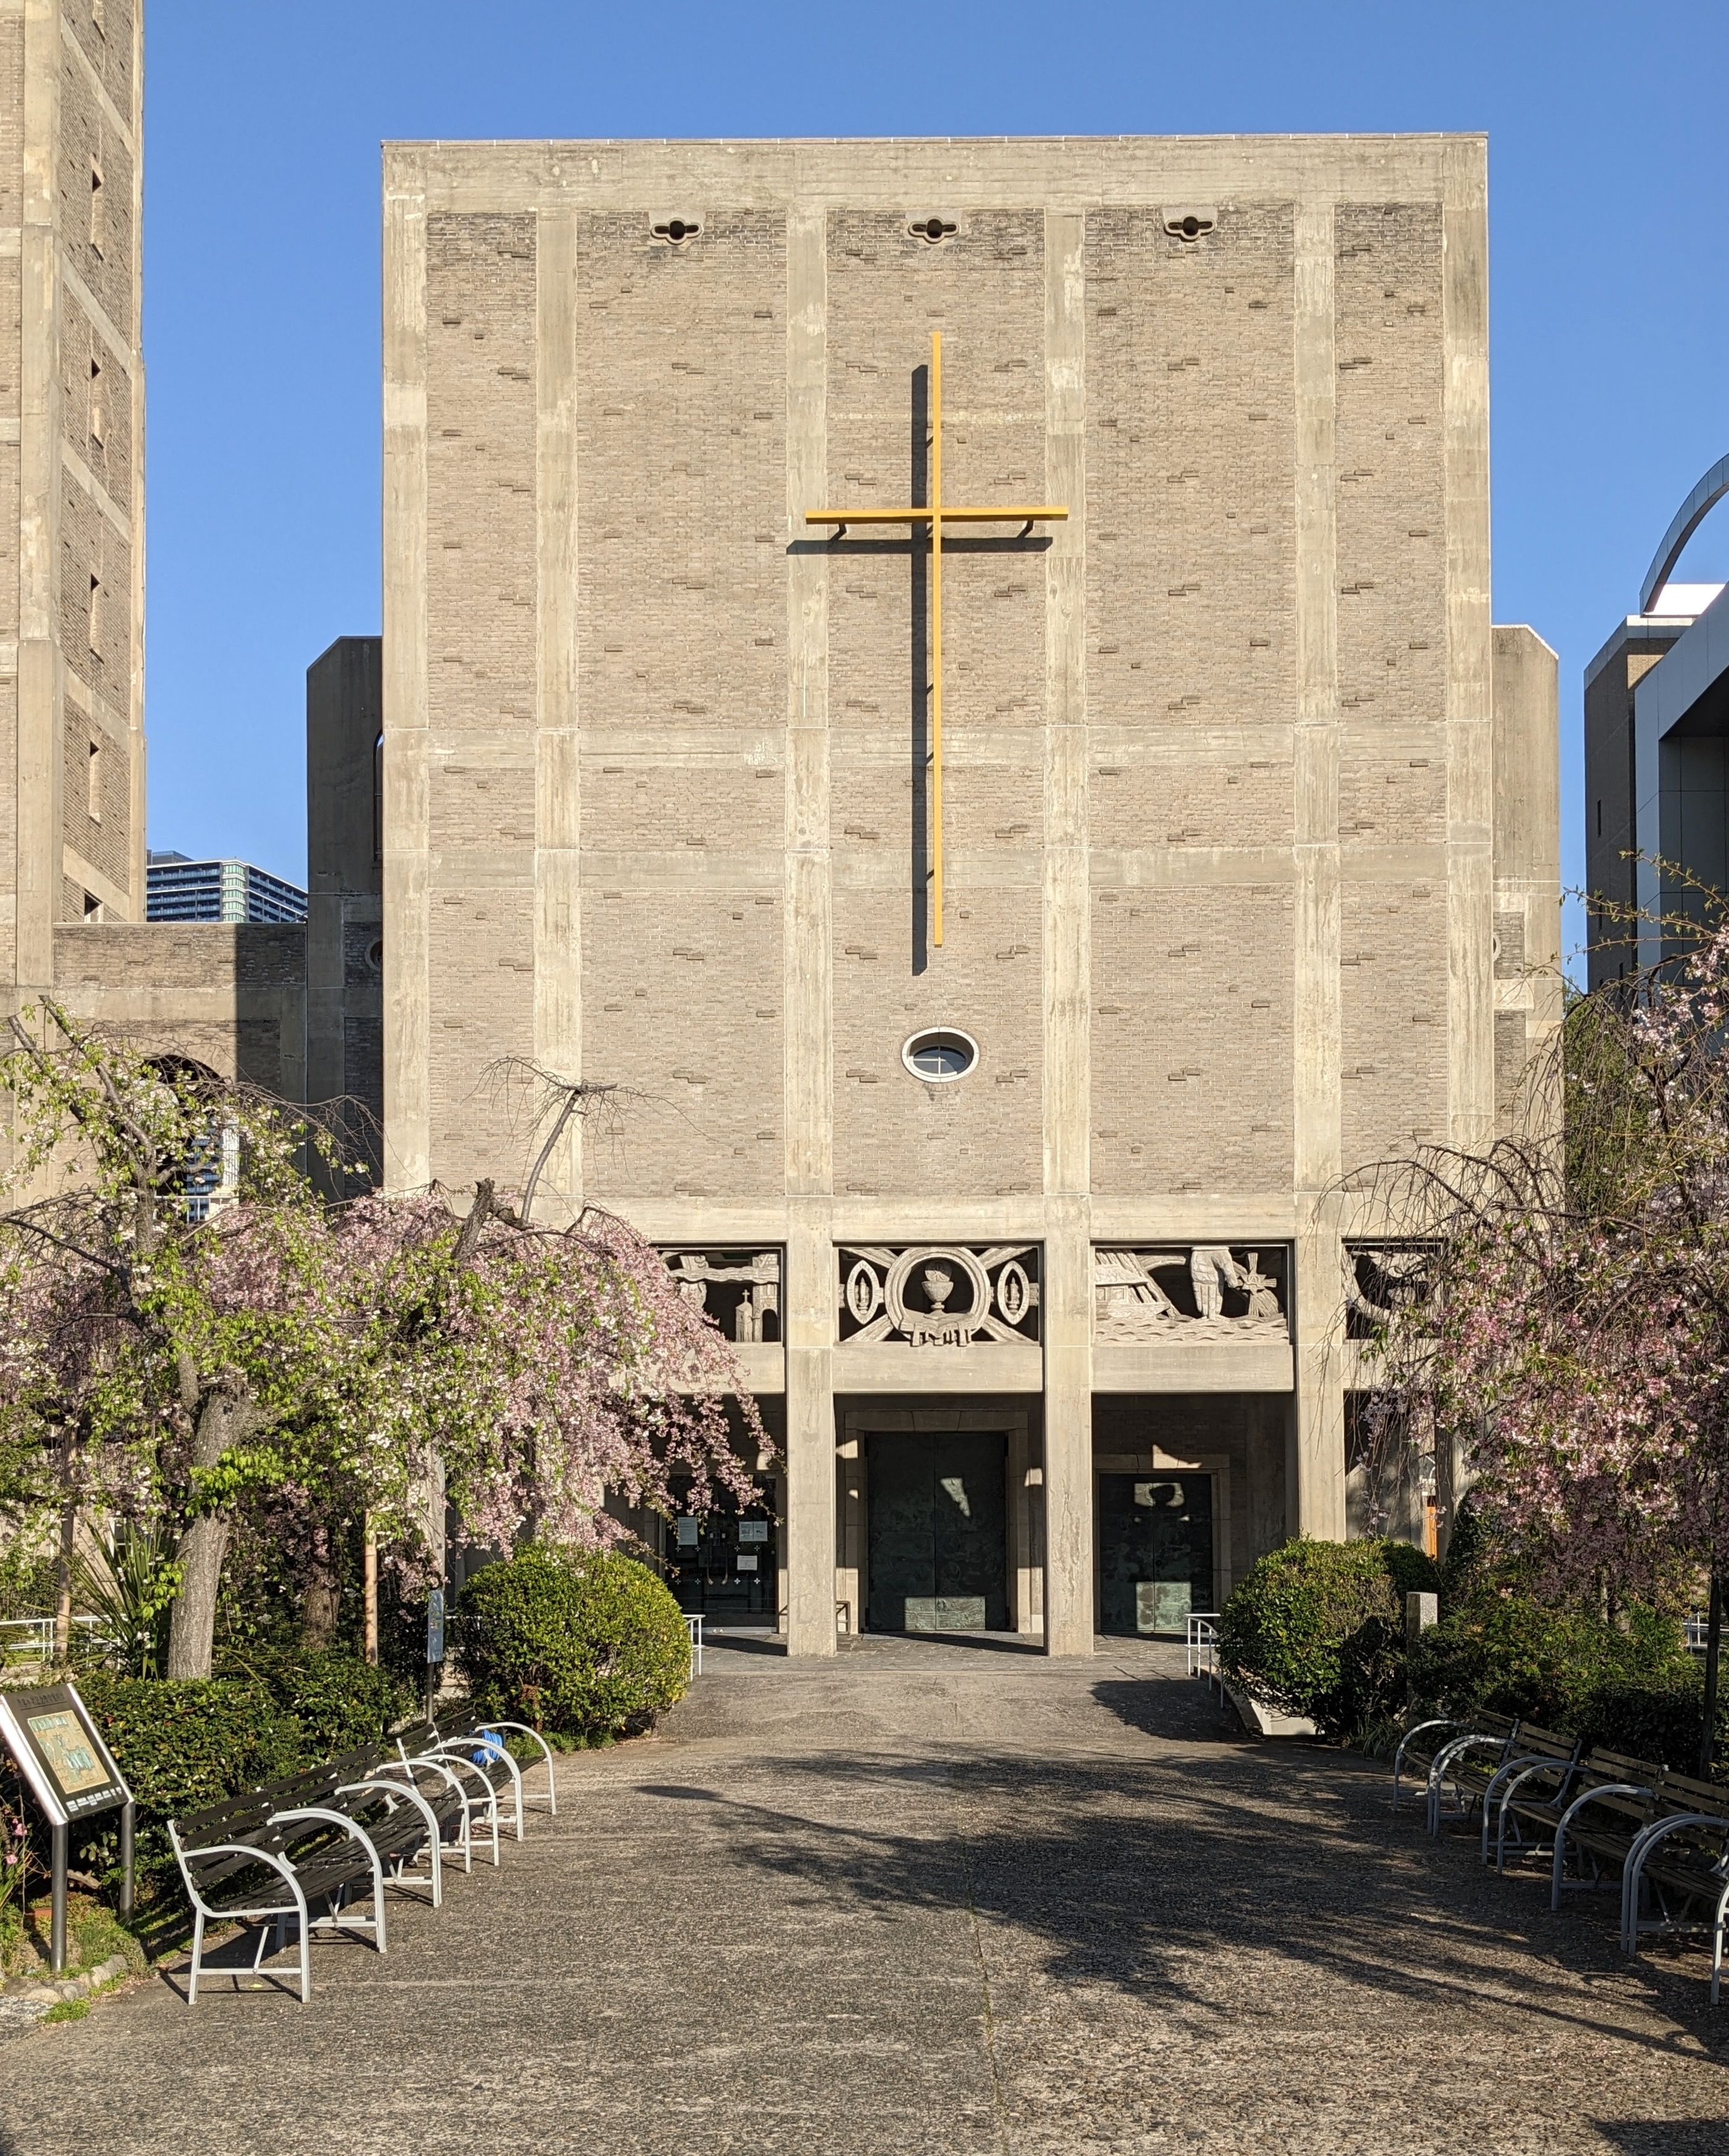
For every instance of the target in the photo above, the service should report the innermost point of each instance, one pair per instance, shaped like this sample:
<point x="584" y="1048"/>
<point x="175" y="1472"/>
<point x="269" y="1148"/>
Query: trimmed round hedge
<point x="1310" y="1628"/>
<point x="584" y="1644"/>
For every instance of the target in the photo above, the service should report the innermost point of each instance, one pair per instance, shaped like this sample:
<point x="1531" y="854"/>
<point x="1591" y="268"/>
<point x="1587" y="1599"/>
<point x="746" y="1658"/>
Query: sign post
<point x="435" y="1646"/>
<point x="72" y="1775"/>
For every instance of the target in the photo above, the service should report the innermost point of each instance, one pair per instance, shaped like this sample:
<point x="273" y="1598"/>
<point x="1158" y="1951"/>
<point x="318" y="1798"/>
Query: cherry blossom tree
<point x="170" y="1353"/>
<point x="1570" y="1345"/>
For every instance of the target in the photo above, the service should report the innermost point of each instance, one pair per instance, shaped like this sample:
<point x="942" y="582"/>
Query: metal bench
<point x="1423" y="1744"/>
<point x="1543" y="1764"/>
<point x="1679" y="1865"/>
<point x="402" y="1824"/>
<point x="1466" y="1762"/>
<point x="477" y="1750"/>
<point x="1614" y="1799"/>
<point x="252" y="1860"/>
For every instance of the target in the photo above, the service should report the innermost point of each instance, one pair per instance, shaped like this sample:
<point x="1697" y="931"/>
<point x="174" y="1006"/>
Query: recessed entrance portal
<point x="1155" y="1551"/>
<point x="938" y="1532"/>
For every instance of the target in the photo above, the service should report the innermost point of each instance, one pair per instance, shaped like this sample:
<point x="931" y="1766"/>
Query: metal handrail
<point x="1202" y="1647"/>
<point x="38" y="1644"/>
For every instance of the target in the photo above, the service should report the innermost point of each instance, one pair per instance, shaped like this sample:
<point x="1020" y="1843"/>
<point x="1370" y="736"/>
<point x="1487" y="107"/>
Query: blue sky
<point x="1607" y="205"/>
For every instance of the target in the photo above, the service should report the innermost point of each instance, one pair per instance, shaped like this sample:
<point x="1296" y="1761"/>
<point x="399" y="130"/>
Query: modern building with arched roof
<point x="1657" y="754"/>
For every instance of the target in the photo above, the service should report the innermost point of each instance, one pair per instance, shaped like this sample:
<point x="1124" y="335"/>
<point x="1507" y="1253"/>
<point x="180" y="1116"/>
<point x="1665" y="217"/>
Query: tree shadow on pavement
<point x="1150" y="1876"/>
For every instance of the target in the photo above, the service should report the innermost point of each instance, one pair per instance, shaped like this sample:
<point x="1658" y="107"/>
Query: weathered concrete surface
<point x="933" y="1899"/>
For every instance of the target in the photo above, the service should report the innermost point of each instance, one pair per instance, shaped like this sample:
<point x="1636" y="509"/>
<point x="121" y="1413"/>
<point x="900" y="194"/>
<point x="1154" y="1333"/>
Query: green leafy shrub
<point x="1316" y="1629"/>
<point x="591" y="1646"/>
<point x="339" y="1701"/>
<point x="1629" y="1685"/>
<point x="181" y="1744"/>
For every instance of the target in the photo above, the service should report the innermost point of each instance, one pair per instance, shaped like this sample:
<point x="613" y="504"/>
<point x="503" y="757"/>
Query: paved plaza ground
<point x="936" y="1899"/>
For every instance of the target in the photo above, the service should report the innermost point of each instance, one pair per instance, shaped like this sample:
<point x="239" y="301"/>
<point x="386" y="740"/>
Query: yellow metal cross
<point x="936" y="513"/>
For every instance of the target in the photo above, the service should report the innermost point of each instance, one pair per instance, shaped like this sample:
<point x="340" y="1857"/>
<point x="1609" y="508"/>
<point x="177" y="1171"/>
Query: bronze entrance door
<point x="937" y="1536"/>
<point x="1155" y="1551"/>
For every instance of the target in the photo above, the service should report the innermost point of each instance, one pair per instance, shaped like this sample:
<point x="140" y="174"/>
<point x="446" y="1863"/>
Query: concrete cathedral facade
<point x="1029" y="1234"/>
<point x="991" y="1083"/>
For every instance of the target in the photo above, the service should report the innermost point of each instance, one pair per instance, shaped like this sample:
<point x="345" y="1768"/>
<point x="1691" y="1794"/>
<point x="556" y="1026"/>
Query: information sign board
<point x="70" y="1770"/>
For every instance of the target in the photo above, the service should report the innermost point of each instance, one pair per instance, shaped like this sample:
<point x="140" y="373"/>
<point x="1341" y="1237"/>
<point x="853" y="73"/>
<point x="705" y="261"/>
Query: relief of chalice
<point x="938" y="1287"/>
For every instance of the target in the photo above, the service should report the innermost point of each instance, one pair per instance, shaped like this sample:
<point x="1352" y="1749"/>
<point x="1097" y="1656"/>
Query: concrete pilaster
<point x="40" y="839"/>
<point x="1470" y="658"/>
<point x="1314" y="1468"/>
<point x="557" y="780"/>
<point x="408" y="1132"/>
<point x="808" y="966"/>
<point x="1068" y="1310"/>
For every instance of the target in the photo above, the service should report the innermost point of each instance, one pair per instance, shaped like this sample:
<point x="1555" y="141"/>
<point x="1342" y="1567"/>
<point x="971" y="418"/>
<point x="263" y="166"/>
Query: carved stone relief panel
<point x="1189" y="1293"/>
<point x="939" y="1295"/>
<point x="1382" y="1279"/>
<point x="739" y="1291"/>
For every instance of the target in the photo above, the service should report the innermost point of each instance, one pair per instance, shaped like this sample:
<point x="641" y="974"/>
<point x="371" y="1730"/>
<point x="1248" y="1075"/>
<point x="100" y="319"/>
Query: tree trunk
<point x="227" y="1418"/>
<point x="191" y="1635"/>
<point x="323" y="1607"/>
<point x="63" y="1577"/>
<point x="1713" y="1656"/>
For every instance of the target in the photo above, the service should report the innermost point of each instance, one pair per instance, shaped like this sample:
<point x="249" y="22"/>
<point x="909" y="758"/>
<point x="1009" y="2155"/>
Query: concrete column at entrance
<point x="810" y="1517"/>
<point x="1069" y="1614"/>
<point x="1314" y="1465"/>
<point x="808" y="1326"/>
<point x="1026" y="1572"/>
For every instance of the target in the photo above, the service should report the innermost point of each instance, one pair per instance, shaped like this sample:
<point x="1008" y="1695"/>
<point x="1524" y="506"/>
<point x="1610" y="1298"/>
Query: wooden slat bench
<point x="253" y="1860"/>
<point x="1614" y="1799"/>
<point x="472" y="1748"/>
<point x="1543" y="1763"/>
<point x="1466" y="1764"/>
<point x="402" y="1823"/>
<point x="1680" y="1864"/>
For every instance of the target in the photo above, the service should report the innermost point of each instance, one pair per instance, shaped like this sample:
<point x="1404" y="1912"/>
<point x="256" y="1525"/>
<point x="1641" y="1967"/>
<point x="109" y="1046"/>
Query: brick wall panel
<point x="682" y="1010"/>
<point x="1393" y="1019"/>
<point x="1192" y="1040"/>
<point x="1190" y="559"/>
<point x="1390" y="449"/>
<point x="895" y="1133"/>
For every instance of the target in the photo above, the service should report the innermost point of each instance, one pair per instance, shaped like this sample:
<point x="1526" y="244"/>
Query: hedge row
<point x="185" y="1743"/>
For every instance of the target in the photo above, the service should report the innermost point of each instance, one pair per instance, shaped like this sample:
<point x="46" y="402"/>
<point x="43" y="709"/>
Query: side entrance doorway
<point x="1155" y="1550"/>
<point x="936" y="1537"/>
<point x="724" y="1563"/>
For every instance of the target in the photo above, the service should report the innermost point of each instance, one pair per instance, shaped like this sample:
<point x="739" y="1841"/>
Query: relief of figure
<point x="1130" y="1306"/>
<point x="1211" y="1270"/>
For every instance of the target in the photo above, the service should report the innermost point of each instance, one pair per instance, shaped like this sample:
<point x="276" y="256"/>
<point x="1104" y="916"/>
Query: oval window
<point x="940" y="1054"/>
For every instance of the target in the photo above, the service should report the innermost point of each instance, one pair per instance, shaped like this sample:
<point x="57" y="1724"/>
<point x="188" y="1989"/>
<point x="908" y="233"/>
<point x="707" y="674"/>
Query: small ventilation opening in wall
<point x="375" y="957"/>
<point x="932" y="230"/>
<point x="1191" y="220"/>
<point x="675" y="230"/>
